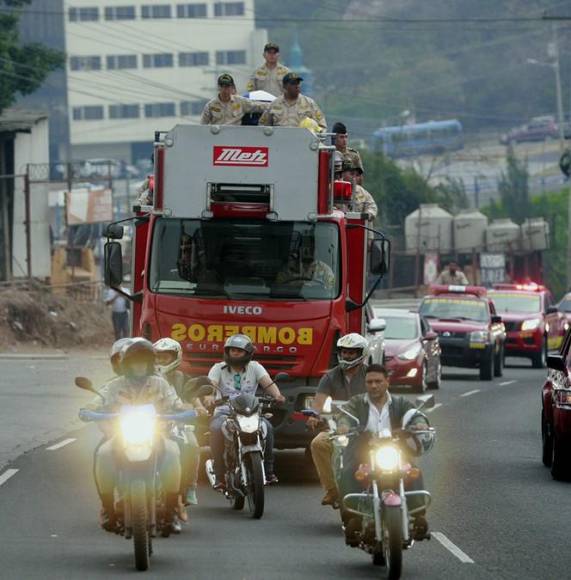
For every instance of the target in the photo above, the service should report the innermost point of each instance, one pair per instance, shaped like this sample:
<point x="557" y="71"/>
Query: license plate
<point x="478" y="345"/>
<point x="308" y="402"/>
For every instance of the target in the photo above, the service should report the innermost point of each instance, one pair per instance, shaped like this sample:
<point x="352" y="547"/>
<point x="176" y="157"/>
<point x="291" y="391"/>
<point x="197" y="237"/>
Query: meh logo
<point x="241" y="156"/>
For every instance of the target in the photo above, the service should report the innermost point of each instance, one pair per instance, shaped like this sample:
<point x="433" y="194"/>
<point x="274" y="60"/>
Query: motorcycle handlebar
<point x="89" y="415"/>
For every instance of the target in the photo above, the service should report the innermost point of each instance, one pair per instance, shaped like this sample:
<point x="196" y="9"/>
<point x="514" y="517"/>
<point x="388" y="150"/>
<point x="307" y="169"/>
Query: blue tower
<point x="295" y="63"/>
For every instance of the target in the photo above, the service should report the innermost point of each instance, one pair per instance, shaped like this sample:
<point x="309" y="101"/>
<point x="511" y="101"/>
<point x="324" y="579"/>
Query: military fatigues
<point x="318" y="271"/>
<point x="363" y="202"/>
<point x="268" y="79"/>
<point x="446" y="278"/>
<point x="352" y="156"/>
<point x="218" y="113"/>
<point x="284" y="113"/>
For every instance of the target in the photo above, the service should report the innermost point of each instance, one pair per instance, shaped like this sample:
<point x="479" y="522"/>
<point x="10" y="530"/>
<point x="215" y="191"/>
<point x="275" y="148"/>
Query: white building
<point x="138" y="66"/>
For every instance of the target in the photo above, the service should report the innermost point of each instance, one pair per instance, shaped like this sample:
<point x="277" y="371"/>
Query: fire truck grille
<point x="511" y="325"/>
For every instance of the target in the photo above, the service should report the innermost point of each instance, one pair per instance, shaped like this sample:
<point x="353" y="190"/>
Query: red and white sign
<point x="241" y="156"/>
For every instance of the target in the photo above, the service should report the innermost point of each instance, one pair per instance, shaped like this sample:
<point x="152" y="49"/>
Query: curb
<point x="33" y="356"/>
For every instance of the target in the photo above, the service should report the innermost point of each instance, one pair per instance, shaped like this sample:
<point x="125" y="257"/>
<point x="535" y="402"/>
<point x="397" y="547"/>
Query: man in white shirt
<point x="119" y="312"/>
<point x="236" y="375"/>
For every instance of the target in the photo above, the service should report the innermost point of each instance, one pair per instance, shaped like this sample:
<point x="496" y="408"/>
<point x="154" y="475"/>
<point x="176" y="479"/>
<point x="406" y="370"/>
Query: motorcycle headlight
<point x="411" y="353"/>
<point x="249" y="424"/>
<point x="138" y="425"/>
<point x="480" y="336"/>
<point x="387" y="458"/>
<point x="531" y="324"/>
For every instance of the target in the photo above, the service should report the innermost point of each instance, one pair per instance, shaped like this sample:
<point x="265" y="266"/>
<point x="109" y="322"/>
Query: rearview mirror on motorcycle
<point x="281" y="377"/>
<point x="424" y="402"/>
<point x="85" y="384"/>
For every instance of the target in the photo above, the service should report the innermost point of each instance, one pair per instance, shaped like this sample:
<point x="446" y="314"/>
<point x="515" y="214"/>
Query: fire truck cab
<point x="244" y="236"/>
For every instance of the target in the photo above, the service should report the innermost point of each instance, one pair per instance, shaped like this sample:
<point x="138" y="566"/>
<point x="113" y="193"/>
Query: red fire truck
<point x="243" y="236"/>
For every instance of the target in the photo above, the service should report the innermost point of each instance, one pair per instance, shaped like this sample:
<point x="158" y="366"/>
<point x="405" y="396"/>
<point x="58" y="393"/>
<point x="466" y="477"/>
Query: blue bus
<point x="411" y="140"/>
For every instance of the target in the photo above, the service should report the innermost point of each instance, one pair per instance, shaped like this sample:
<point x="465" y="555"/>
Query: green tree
<point x="23" y="68"/>
<point x="513" y="187"/>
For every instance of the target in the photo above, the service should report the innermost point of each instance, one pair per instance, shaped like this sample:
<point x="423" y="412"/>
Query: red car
<point x="556" y="413"/>
<point x="470" y="332"/>
<point x="564" y="306"/>
<point x="534" y="325"/>
<point x="412" y="350"/>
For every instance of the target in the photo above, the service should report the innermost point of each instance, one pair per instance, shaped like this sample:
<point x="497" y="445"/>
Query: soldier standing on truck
<point x="292" y="107"/>
<point x="228" y="108"/>
<point x="363" y="201"/>
<point x="342" y="145"/>
<point x="269" y="77"/>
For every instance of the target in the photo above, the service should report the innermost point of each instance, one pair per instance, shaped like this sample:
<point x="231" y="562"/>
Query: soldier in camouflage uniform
<point x="341" y="144"/>
<point x="228" y="108"/>
<point x="269" y="77"/>
<point x="362" y="201"/>
<point x="293" y="107"/>
<point x="306" y="270"/>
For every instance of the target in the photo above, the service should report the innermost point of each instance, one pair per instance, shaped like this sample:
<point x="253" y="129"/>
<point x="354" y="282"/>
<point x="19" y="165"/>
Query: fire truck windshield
<point x="243" y="259"/>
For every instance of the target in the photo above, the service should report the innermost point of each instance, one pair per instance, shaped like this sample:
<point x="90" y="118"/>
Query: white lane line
<point x="437" y="406"/>
<point x="506" y="383"/>
<point x="7" y="475"/>
<point x="60" y="444"/>
<point x="452" y="548"/>
<point x="470" y="393"/>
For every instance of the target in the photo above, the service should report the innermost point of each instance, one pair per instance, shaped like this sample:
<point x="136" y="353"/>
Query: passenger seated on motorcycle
<point x="240" y="374"/>
<point x="168" y="356"/>
<point x="139" y="385"/>
<point x="377" y="410"/>
<point x="340" y="383"/>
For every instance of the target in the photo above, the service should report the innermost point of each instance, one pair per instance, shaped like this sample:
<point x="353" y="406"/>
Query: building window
<point x="156" y="11"/>
<point x="85" y="63"/>
<point x="229" y="9"/>
<point x="192" y="108"/>
<point x="121" y="61"/>
<point x="158" y="60"/>
<point x="88" y="14"/>
<point x="193" y="59"/>
<point x="191" y="11"/>
<point x="88" y="113"/>
<point x="160" y="110"/>
<point x="124" y="111"/>
<point x="230" y="57"/>
<point x="120" y="13"/>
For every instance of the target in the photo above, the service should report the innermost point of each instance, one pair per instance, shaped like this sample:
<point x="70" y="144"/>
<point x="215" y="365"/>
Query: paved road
<point x="492" y="498"/>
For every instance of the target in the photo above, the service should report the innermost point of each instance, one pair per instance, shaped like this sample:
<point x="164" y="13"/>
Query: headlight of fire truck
<point x="531" y="324"/>
<point x="480" y="336"/>
<point x="387" y="458"/>
<point x="411" y="353"/>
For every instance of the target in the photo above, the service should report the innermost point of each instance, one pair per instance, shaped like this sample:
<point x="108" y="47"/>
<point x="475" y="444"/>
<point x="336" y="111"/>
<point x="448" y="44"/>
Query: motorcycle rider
<point x="340" y="383"/>
<point x="240" y="374"/>
<point x="138" y="385"/>
<point x="379" y="411"/>
<point x="168" y="356"/>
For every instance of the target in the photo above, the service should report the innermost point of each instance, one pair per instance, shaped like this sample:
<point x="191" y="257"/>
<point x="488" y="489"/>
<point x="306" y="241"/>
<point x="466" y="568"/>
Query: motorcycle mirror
<point x="205" y="390"/>
<point x="424" y="402"/>
<point x="281" y="377"/>
<point x="85" y="384"/>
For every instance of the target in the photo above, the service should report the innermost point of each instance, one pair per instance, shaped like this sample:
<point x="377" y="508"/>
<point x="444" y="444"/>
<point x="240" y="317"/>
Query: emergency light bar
<point x="438" y="289"/>
<point x="530" y="287"/>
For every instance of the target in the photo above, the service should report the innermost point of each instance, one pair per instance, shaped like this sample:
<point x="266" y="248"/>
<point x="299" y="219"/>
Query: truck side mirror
<point x="376" y="325"/>
<point x="113" y="257"/>
<point x="114" y="232"/>
<point x="496" y="319"/>
<point x="556" y="362"/>
<point x="380" y="257"/>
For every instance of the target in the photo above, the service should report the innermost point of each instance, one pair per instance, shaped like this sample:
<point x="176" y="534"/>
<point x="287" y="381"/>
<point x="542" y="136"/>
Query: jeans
<point x="120" y="324"/>
<point x="217" y="446"/>
<point x="190" y="461"/>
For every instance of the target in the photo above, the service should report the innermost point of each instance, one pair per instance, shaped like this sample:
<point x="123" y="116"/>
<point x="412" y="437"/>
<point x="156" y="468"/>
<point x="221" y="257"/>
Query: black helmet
<point x="242" y="342"/>
<point x="139" y="349"/>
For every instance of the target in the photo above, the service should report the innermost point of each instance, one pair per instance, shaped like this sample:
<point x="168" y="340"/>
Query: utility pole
<point x="553" y="51"/>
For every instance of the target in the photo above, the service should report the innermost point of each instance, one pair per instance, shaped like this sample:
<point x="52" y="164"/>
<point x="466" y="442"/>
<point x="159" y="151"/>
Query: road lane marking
<point x="7" y="475"/>
<point x="506" y="383"/>
<point x="453" y="548"/>
<point x="60" y="444"/>
<point x="437" y="406"/>
<point x="470" y="393"/>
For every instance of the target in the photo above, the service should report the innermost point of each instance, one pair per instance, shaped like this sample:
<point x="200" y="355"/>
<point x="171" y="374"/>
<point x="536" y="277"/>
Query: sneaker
<point x="352" y="532"/>
<point x="176" y="526"/>
<point x="420" y="529"/>
<point x="331" y="498"/>
<point x="272" y="479"/>
<point x="181" y="511"/>
<point x="191" y="498"/>
<point x="219" y="486"/>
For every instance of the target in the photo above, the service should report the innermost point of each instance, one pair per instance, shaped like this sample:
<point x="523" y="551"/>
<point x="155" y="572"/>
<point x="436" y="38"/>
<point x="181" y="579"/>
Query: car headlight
<point x="410" y="353"/>
<point x="480" y="336"/>
<point x="387" y="458"/>
<point x="531" y="324"/>
<point x="138" y="425"/>
<point x="249" y="424"/>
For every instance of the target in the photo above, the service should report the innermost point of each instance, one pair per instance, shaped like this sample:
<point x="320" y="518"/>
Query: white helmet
<point x="352" y="341"/>
<point x="168" y="345"/>
<point x="115" y="354"/>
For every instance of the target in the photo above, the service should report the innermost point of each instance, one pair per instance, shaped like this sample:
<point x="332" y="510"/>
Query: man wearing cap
<point x="293" y="107"/>
<point x="228" y="108"/>
<point x="269" y="77"/>
<point x="363" y="201"/>
<point x="342" y="145"/>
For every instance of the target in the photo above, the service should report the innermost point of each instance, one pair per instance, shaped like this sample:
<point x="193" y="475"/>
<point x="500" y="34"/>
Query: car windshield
<point x="246" y="259"/>
<point x="565" y="305"/>
<point x="516" y="303"/>
<point x="455" y="308"/>
<point x="400" y="327"/>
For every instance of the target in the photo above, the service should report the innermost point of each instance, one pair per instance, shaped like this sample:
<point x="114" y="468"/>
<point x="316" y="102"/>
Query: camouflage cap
<point x="271" y="46"/>
<point x="339" y="128"/>
<point x="349" y="165"/>
<point x="292" y="77"/>
<point x="225" y="80"/>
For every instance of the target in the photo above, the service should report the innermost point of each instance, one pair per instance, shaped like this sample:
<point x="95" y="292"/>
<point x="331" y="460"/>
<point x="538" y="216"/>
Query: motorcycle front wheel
<point x="141" y="540"/>
<point x="255" y="485"/>
<point x="392" y="541"/>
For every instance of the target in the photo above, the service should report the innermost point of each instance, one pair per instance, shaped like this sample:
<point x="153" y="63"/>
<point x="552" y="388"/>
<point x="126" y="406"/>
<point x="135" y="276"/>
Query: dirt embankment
<point x="37" y="318"/>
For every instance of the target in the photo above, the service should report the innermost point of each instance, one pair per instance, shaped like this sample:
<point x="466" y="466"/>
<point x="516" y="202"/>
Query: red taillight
<point x="343" y="191"/>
